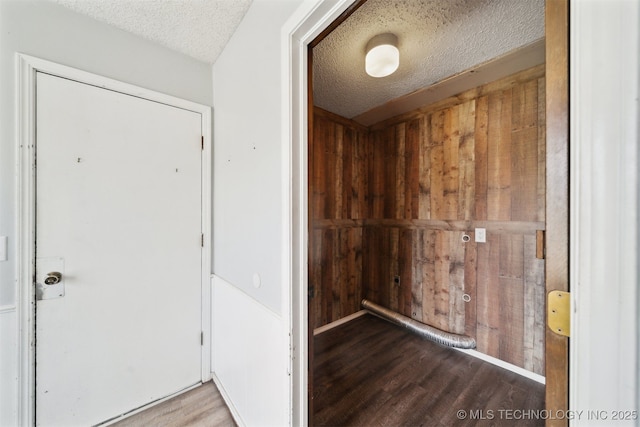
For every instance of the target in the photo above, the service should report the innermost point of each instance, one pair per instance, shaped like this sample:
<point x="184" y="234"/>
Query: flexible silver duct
<point x="426" y="331"/>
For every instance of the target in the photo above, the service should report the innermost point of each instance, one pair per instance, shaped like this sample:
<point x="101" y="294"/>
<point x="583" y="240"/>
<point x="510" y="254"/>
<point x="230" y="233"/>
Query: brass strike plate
<point x="559" y="312"/>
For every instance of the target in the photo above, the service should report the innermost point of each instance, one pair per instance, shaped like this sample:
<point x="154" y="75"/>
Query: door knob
<point x="53" y="278"/>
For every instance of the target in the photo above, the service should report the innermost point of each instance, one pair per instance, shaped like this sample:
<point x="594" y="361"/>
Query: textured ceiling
<point x="436" y="38"/>
<point x="198" y="28"/>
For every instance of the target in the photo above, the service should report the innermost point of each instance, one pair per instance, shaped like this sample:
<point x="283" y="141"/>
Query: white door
<point x="118" y="215"/>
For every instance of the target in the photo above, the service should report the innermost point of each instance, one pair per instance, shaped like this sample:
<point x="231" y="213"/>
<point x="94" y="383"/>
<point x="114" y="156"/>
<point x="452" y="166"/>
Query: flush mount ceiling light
<point x="383" y="57"/>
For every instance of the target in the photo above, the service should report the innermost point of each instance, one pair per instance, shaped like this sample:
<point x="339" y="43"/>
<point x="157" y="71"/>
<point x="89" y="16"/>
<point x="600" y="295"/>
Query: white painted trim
<point x="505" y="365"/>
<point x="25" y="134"/>
<point x="225" y="396"/>
<point x="604" y="186"/>
<point x="206" y="225"/>
<point x="305" y="24"/>
<point x="7" y="309"/>
<point x="27" y="66"/>
<point x="347" y="319"/>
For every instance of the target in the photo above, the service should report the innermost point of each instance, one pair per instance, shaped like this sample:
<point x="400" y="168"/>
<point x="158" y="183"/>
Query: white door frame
<point x="316" y="15"/>
<point x="306" y="24"/>
<point x="27" y="66"/>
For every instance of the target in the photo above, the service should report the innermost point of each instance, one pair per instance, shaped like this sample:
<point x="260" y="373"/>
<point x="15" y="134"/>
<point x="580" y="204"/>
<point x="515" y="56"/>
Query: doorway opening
<point x="394" y="191"/>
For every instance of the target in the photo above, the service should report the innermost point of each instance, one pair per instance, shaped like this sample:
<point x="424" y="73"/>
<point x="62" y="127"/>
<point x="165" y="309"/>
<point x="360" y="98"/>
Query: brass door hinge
<point x="559" y="312"/>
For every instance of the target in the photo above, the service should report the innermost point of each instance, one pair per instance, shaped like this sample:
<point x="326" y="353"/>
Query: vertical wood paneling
<point x="524" y="164"/>
<point x="534" y="293"/>
<point x="429" y="277"/>
<point x="409" y="185"/>
<point x="488" y="326"/>
<point x="441" y="281"/>
<point x="511" y="285"/>
<point x="400" y="178"/>
<point x="424" y="180"/>
<point x="417" y="284"/>
<point x="511" y="320"/>
<point x="348" y="146"/>
<point x="326" y="277"/>
<point x="413" y="133"/>
<point x="394" y="270"/>
<point x="329" y="143"/>
<point x="337" y="159"/>
<point x="369" y="267"/>
<point x="524" y="108"/>
<point x="450" y="169"/>
<point x="339" y="283"/>
<point x="406" y="270"/>
<point x="499" y="157"/>
<point x="470" y="287"/>
<point x="541" y="189"/>
<point x="524" y="156"/>
<point x="436" y="160"/>
<point x="481" y="158"/>
<point x="377" y="189"/>
<point x="511" y="256"/>
<point x="355" y="269"/>
<point x="390" y="174"/>
<point x="338" y="190"/>
<point x="466" y="160"/>
<point x="456" y="282"/>
<point x="317" y="174"/>
<point x="315" y="274"/>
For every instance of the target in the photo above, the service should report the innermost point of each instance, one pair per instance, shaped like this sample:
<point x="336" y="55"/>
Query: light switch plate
<point x="481" y="235"/>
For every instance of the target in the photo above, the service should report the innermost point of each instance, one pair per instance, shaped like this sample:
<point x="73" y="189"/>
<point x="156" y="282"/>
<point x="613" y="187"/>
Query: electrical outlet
<point x="481" y="235"/>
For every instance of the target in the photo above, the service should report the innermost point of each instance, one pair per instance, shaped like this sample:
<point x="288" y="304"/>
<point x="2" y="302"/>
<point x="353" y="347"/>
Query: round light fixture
<point x="383" y="57"/>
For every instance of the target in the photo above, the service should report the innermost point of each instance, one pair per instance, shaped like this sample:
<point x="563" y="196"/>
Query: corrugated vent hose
<point x="426" y="331"/>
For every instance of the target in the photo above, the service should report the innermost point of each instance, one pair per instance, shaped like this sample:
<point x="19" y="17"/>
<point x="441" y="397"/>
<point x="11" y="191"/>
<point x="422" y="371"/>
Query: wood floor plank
<point x="202" y="406"/>
<point x="368" y="372"/>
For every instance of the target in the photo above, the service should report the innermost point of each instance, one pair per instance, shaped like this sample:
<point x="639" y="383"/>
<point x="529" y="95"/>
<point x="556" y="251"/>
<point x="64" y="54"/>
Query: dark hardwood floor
<point x="369" y="372"/>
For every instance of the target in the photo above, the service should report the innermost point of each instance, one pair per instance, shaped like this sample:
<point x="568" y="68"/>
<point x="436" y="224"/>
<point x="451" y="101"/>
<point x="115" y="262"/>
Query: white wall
<point x="251" y="355"/>
<point x="248" y="144"/>
<point x="46" y="30"/>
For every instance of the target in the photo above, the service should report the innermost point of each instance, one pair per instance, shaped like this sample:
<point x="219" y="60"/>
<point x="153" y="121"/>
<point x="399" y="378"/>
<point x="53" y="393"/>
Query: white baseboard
<point x="508" y="366"/>
<point x="225" y="396"/>
<point x="339" y="322"/>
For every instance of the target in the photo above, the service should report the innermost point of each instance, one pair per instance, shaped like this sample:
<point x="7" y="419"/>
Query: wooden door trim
<point x="28" y="66"/>
<point x="557" y="197"/>
<point x="335" y="24"/>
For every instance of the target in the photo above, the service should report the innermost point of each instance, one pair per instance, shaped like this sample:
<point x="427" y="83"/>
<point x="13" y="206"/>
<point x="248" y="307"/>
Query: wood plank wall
<point x="389" y="206"/>
<point x="338" y="195"/>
